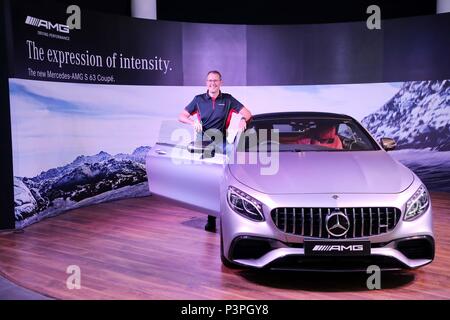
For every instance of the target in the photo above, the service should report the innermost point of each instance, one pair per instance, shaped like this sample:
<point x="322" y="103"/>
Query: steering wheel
<point x="347" y="143"/>
<point x="353" y="144"/>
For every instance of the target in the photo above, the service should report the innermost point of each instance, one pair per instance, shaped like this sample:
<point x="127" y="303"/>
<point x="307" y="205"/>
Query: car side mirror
<point x="388" y="144"/>
<point x="204" y="147"/>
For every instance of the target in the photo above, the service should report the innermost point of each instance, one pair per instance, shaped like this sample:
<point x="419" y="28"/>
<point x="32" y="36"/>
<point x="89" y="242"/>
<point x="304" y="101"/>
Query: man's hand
<point x="242" y="125"/>
<point x="246" y="116"/>
<point x="184" y="117"/>
<point x="197" y="126"/>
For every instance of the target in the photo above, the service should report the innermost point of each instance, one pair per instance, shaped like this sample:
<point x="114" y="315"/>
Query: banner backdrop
<point x="87" y="105"/>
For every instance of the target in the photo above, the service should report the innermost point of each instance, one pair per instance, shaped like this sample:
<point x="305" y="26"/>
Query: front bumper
<point x="262" y="245"/>
<point x="256" y="252"/>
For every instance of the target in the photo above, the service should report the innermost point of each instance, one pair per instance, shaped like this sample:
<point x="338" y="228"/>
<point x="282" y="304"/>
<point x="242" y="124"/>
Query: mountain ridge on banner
<point x="417" y="117"/>
<point x="69" y="186"/>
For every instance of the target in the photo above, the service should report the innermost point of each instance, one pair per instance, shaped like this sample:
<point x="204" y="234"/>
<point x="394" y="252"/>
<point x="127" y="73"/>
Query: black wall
<point x="287" y="11"/>
<point x="263" y="11"/>
<point x="6" y="168"/>
<point x="119" y="7"/>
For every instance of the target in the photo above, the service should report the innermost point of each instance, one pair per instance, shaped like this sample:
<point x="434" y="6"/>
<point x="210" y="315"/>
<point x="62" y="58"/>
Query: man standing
<point x="213" y="110"/>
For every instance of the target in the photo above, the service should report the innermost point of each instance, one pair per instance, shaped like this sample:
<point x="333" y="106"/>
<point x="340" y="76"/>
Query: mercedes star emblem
<point x="337" y="223"/>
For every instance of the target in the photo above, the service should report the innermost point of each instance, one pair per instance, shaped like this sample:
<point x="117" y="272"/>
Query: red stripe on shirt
<point x="198" y="115"/>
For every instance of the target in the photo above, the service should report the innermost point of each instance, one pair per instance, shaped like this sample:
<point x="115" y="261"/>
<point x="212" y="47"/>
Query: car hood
<point x="325" y="172"/>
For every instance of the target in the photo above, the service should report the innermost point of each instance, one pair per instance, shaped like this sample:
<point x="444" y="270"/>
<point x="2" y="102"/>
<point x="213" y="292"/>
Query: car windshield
<point x="305" y="134"/>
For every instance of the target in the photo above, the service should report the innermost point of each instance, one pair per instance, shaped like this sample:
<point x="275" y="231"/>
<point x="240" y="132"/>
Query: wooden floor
<point x="147" y="248"/>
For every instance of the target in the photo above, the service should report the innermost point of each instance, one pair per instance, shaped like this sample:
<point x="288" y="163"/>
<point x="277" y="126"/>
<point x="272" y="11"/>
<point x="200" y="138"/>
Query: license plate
<point x="336" y="248"/>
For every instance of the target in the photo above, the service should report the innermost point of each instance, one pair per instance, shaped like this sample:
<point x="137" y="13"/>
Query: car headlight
<point x="244" y="204"/>
<point x="417" y="204"/>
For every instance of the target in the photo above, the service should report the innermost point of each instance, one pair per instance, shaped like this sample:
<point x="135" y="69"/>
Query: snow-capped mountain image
<point x="417" y="117"/>
<point x="84" y="181"/>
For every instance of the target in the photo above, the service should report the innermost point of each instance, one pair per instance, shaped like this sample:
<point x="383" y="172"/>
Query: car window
<point x="306" y="134"/>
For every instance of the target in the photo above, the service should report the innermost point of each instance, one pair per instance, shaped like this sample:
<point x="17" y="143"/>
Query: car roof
<point x="306" y="114"/>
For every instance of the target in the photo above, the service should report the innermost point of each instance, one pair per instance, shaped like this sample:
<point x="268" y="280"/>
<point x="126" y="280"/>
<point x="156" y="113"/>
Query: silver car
<point x="303" y="191"/>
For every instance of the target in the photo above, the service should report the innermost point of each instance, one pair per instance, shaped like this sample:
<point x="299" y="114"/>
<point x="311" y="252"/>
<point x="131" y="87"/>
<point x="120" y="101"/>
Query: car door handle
<point x="159" y="151"/>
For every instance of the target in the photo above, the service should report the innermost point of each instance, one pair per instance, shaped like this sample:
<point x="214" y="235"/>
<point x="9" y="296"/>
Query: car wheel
<point x="227" y="263"/>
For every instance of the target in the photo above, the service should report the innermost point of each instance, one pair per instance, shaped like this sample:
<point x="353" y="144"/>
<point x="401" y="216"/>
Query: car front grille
<point x="311" y="222"/>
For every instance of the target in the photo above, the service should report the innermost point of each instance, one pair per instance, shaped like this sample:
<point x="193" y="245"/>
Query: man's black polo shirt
<point x="214" y="113"/>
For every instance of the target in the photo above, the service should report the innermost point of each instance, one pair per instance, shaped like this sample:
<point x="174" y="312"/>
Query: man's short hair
<point x="215" y="72"/>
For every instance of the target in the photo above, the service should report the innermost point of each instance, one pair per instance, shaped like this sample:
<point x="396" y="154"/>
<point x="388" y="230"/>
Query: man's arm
<point x="246" y="116"/>
<point x="184" y="117"/>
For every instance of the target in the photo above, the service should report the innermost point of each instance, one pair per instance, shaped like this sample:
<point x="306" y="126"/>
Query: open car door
<point x="179" y="170"/>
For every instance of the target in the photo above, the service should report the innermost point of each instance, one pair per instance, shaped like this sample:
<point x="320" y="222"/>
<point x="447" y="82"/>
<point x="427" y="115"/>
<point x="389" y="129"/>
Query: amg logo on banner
<point x="357" y="247"/>
<point x="47" y="24"/>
